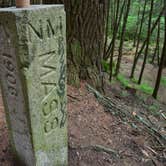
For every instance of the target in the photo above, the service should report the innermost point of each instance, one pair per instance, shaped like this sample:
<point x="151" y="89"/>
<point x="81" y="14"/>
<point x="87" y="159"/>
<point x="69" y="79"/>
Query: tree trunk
<point x="116" y="27"/>
<point x="148" y="41"/>
<point x="85" y="37"/>
<point x="145" y="41"/>
<point x="122" y="38"/>
<point x="165" y="62"/>
<point x="114" y="39"/>
<point x="157" y="48"/>
<point x="138" y="41"/>
<point x="137" y="27"/>
<point x="163" y="57"/>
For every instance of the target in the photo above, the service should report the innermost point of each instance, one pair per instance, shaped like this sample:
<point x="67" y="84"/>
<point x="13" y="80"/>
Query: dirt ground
<point x="96" y="137"/>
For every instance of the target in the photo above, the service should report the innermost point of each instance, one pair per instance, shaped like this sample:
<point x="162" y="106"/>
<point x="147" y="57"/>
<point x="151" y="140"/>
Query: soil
<point x="96" y="137"/>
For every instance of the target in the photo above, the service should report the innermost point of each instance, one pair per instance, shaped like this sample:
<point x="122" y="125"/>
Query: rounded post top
<point x="22" y="3"/>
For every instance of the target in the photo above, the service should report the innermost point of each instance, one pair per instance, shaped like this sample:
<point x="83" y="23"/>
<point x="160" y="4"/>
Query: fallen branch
<point x="98" y="148"/>
<point x="119" y="109"/>
<point x="73" y="97"/>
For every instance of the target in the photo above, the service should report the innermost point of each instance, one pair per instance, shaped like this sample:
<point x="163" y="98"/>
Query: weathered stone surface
<point x="33" y="80"/>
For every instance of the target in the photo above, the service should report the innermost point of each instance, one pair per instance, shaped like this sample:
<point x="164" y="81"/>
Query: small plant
<point x="105" y="65"/>
<point x="125" y="82"/>
<point x="146" y="88"/>
<point x="133" y="84"/>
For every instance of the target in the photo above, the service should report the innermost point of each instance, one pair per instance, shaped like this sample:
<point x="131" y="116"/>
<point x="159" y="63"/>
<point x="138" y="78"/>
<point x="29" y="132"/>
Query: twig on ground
<point x="73" y="97"/>
<point x="98" y="148"/>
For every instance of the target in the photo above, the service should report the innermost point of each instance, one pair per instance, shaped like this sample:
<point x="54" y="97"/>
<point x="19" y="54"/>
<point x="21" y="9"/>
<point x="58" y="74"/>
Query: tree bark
<point x="145" y="41"/>
<point x="138" y="41"/>
<point x="157" y="48"/>
<point x="122" y="38"/>
<point x="165" y="62"/>
<point x="115" y="27"/>
<point x="148" y="41"/>
<point x="114" y="39"/>
<point x="163" y="57"/>
<point x="85" y="37"/>
<point x="137" y="27"/>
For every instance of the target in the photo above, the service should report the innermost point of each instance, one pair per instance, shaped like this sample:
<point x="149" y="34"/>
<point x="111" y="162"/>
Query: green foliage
<point x="125" y="82"/>
<point x="132" y="25"/>
<point x="105" y="65"/>
<point x="145" y="88"/>
<point x="163" y="81"/>
<point x="132" y="84"/>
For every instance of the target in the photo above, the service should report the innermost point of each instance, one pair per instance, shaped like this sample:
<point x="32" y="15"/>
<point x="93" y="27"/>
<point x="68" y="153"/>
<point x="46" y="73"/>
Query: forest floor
<point x="98" y="137"/>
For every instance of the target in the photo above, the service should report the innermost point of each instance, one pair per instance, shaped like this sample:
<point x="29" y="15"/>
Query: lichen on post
<point x="33" y="82"/>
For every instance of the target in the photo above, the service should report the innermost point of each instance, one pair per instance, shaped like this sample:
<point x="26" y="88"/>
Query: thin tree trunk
<point x="138" y="41"/>
<point x="156" y="52"/>
<point x="122" y="37"/>
<point x="137" y="24"/>
<point x="114" y="38"/>
<point x="163" y="57"/>
<point x="145" y="41"/>
<point x="165" y="62"/>
<point x="148" y="40"/>
<point x="115" y="30"/>
<point x="107" y="29"/>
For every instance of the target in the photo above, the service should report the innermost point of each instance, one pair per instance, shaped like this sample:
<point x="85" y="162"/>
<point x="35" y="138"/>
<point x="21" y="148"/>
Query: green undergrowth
<point x="144" y="87"/>
<point x="163" y="81"/>
<point x="125" y="82"/>
<point x="131" y="83"/>
<point x="106" y="66"/>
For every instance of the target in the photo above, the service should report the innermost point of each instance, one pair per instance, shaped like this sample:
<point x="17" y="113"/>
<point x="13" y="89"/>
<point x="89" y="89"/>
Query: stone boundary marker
<point x="33" y="82"/>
